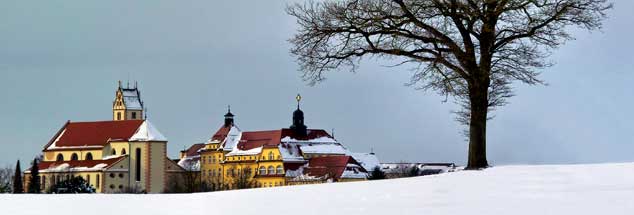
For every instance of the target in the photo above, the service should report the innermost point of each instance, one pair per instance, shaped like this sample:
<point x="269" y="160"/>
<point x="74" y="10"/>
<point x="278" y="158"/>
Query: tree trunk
<point x="477" y="126"/>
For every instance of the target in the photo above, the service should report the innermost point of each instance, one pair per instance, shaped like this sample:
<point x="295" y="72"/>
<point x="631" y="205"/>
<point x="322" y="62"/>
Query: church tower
<point x="127" y="104"/>
<point x="298" y="125"/>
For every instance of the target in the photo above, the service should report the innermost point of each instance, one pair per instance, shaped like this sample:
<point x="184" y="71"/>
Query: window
<point x="60" y="157"/>
<point x="138" y="164"/>
<point x="123" y="151"/>
<point x="133" y="115"/>
<point x="271" y="170"/>
<point x="74" y="157"/>
<point x="119" y="116"/>
<point x="280" y="170"/>
<point x="112" y="186"/>
<point x="209" y="159"/>
<point x="262" y="170"/>
<point x="120" y="175"/>
<point x="120" y="187"/>
<point x="98" y="182"/>
<point x="270" y="155"/>
<point x="89" y="156"/>
<point x="88" y="178"/>
<point x="113" y="152"/>
<point x="213" y="159"/>
<point x="111" y="175"/>
<point x="43" y="183"/>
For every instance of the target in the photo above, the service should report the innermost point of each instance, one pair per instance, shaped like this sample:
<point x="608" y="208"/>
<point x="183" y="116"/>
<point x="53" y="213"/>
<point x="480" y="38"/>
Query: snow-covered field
<point x="548" y="189"/>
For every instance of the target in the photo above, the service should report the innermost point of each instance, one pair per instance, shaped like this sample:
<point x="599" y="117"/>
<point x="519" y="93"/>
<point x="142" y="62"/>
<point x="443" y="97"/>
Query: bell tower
<point x="228" y="117"/>
<point x="127" y="104"/>
<point x="298" y="125"/>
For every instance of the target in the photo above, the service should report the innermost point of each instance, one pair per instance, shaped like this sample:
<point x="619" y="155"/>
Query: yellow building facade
<point x="235" y="159"/>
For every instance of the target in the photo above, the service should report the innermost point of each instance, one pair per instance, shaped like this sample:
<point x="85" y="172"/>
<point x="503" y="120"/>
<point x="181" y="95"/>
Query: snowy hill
<point x="547" y="189"/>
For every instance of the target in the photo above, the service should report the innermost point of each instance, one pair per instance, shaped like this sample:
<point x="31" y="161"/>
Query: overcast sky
<point x="61" y="60"/>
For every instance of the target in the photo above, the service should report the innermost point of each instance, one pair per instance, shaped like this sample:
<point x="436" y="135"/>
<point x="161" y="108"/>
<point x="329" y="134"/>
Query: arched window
<point x="119" y="116"/>
<point x="271" y="170"/>
<point x="270" y="155"/>
<point x="74" y="157"/>
<point x="60" y="157"/>
<point x="123" y="152"/>
<point x="89" y="156"/>
<point x="114" y="152"/>
<point x="262" y="170"/>
<point x="280" y="170"/>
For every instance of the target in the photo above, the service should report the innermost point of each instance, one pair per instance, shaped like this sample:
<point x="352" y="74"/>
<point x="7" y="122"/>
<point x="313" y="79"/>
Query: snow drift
<point x="546" y="189"/>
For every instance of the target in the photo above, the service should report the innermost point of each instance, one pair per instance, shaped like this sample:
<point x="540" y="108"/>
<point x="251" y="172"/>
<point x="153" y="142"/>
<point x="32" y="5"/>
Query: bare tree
<point x="471" y="50"/>
<point x="244" y="178"/>
<point x="6" y="179"/>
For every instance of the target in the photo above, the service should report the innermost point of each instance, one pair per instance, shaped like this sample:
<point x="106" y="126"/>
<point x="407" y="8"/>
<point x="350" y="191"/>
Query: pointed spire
<point x="119" y="84"/>
<point x="228" y="117"/>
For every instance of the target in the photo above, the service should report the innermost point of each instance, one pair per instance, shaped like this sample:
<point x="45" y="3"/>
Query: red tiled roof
<point x="77" y="163"/>
<point x="254" y="139"/>
<point x="330" y="165"/>
<point x="221" y="134"/>
<point x="193" y="150"/>
<point x="96" y="133"/>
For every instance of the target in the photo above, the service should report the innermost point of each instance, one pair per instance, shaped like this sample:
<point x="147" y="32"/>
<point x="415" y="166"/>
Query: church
<point x="236" y="159"/>
<point x="122" y="155"/>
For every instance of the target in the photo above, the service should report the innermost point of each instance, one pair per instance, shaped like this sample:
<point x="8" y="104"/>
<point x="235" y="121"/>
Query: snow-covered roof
<point x="191" y="163"/>
<point x="147" y="132"/>
<point x="323" y="148"/>
<point x="78" y="165"/>
<point x="232" y="139"/>
<point x="354" y="174"/>
<point x="367" y="160"/>
<point x="238" y="151"/>
<point x="324" y="139"/>
<point x="290" y="152"/>
<point x="132" y="99"/>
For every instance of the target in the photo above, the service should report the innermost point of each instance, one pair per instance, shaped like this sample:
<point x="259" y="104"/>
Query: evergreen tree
<point x="34" y="182"/>
<point x="17" y="179"/>
<point x="72" y="185"/>
<point x="377" y="174"/>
